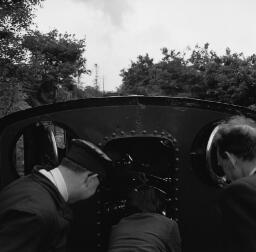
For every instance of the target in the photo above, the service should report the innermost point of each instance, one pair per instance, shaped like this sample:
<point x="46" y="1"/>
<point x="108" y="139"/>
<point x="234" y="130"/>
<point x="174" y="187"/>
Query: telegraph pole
<point x="103" y="86"/>
<point x="96" y="80"/>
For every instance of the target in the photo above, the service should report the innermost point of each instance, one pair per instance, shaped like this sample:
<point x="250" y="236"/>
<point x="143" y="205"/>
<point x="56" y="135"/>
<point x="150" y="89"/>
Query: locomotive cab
<point x="170" y="140"/>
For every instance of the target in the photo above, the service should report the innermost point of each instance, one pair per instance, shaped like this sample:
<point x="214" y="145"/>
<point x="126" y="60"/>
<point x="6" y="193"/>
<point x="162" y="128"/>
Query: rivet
<point x="176" y="219"/>
<point x="177" y="149"/>
<point x="162" y="133"/>
<point x="98" y="223"/>
<point x="100" y="144"/>
<point x="113" y="134"/>
<point x="144" y="132"/>
<point x="176" y="189"/>
<point x="174" y="140"/>
<point x="169" y="135"/>
<point x="132" y="131"/>
<point x="122" y="132"/>
<point x="177" y="159"/>
<point x="155" y="131"/>
<point x="176" y="179"/>
<point x="176" y="198"/>
<point x="176" y="169"/>
<point x="176" y="209"/>
<point x="106" y="138"/>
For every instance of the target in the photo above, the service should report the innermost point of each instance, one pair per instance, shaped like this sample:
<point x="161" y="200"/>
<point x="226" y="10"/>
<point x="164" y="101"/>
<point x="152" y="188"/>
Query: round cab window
<point x="204" y="156"/>
<point x="41" y="143"/>
<point x="216" y="172"/>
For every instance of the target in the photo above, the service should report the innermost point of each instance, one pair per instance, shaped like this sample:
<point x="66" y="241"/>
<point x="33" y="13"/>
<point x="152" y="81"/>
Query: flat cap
<point x="89" y="156"/>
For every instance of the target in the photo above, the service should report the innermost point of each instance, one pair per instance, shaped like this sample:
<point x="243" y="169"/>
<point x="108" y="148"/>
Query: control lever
<point x="160" y="179"/>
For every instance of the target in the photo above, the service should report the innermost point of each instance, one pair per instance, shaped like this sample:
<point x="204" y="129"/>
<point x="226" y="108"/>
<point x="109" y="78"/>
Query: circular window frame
<point x="219" y="180"/>
<point x="68" y="131"/>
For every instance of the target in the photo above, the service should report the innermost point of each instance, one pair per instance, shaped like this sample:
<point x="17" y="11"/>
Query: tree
<point x="55" y="60"/>
<point x="137" y="78"/>
<point x="199" y="73"/>
<point x="17" y="14"/>
<point x="12" y="98"/>
<point x="229" y="78"/>
<point x="16" y="17"/>
<point x="148" y="78"/>
<point x="90" y="92"/>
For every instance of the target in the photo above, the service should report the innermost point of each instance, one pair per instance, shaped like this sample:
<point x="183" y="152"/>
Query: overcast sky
<point x="117" y="31"/>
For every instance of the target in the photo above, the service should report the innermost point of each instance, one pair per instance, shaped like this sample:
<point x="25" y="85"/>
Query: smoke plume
<point x="114" y="9"/>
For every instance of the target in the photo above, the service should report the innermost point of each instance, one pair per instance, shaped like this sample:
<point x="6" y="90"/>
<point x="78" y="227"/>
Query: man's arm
<point x="237" y="207"/>
<point x="236" y="200"/>
<point x="23" y="231"/>
<point x="173" y="241"/>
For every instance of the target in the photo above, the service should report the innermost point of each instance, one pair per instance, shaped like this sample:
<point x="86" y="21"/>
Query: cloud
<point x="113" y="9"/>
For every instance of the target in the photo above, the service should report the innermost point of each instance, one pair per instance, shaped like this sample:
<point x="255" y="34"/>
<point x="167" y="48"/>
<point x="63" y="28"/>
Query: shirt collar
<point x="252" y="171"/>
<point x="57" y="179"/>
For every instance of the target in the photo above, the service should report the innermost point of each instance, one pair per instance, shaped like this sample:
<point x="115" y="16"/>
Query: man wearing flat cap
<point x="34" y="211"/>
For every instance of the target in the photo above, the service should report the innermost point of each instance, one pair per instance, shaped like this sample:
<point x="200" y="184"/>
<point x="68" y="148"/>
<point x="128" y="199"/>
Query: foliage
<point x="90" y="92"/>
<point x="36" y="68"/>
<point x="11" y="97"/>
<point x="199" y="73"/>
<point x="17" y="14"/>
<point x="16" y="17"/>
<point x="78" y="93"/>
<point x="163" y="78"/>
<point x="138" y="78"/>
<point x="55" y="60"/>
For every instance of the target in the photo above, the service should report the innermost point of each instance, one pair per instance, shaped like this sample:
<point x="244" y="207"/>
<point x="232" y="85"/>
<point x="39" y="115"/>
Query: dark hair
<point x="146" y="199"/>
<point x="237" y="136"/>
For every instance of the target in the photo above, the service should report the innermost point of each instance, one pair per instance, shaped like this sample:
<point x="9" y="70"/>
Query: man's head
<point x="82" y="168"/>
<point x="236" y="146"/>
<point x="147" y="199"/>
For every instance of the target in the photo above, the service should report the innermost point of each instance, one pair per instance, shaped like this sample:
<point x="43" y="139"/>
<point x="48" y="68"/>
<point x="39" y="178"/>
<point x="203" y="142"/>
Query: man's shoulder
<point x="240" y="189"/>
<point x="248" y="180"/>
<point x="152" y="217"/>
<point x="142" y="224"/>
<point x="22" y="185"/>
<point x="27" y="195"/>
<point x="163" y="218"/>
<point x="243" y="183"/>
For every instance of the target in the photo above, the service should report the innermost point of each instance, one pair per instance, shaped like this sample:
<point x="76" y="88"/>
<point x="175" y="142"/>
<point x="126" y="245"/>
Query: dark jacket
<point x="33" y="216"/>
<point x="149" y="232"/>
<point x="237" y="205"/>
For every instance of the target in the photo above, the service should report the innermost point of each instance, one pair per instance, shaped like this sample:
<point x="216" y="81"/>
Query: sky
<point x="118" y="31"/>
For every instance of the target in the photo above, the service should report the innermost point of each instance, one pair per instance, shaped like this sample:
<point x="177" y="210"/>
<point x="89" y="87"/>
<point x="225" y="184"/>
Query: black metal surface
<point x="124" y="101"/>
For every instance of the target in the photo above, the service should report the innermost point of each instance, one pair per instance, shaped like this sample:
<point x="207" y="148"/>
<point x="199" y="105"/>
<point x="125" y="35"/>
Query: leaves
<point x="55" y="60"/>
<point x="16" y="17"/>
<point x="11" y="96"/>
<point x="17" y="14"/>
<point x="198" y="72"/>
